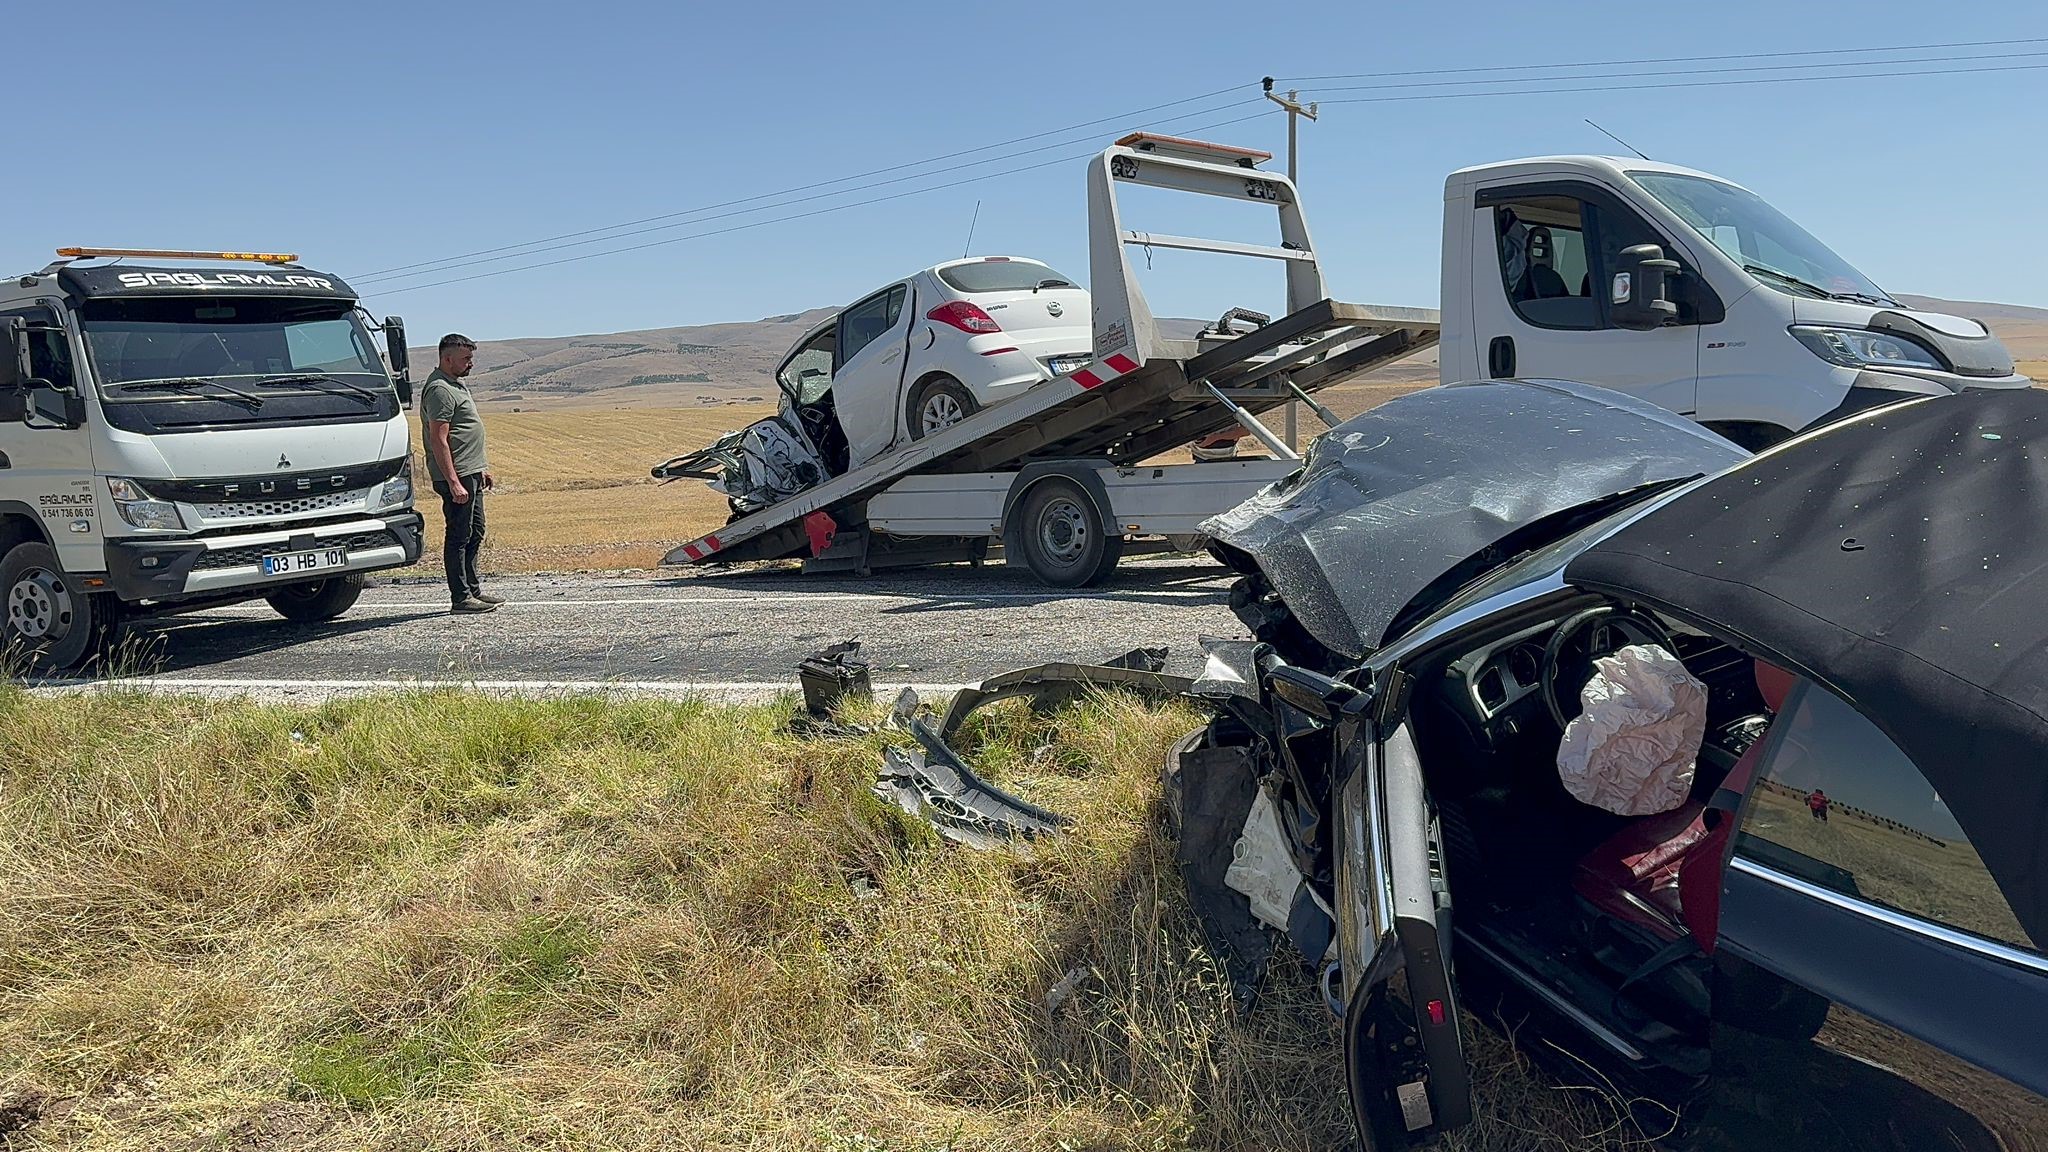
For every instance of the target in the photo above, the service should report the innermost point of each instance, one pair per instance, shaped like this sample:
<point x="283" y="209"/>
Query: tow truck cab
<point x="180" y="437"/>
<point x="1687" y="291"/>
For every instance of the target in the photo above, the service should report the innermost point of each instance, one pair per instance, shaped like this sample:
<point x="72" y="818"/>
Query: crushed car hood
<point x="1390" y="502"/>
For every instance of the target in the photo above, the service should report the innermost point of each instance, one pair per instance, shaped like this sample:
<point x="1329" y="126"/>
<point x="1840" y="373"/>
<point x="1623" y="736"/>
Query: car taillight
<point x="964" y="316"/>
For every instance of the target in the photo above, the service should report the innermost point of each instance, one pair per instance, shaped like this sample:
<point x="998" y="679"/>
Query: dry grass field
<point x="583" y="923"/>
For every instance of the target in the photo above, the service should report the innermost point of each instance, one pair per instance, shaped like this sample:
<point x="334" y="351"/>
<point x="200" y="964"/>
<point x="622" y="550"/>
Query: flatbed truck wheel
<point x="317" y="600"/>
<point x="51" y="622"/>
<point x="1062" y="535"/>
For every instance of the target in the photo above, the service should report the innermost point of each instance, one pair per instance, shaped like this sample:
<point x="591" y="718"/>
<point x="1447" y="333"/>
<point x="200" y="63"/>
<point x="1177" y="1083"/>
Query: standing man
<point x="455" y="459"/>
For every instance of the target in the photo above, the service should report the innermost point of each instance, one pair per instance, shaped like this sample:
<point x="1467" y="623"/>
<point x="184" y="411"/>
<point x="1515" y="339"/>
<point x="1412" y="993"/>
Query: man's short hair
<point x="455" y="340"/>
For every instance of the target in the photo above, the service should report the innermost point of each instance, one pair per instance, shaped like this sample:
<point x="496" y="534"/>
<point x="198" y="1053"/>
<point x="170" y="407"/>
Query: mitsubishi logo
<point x="1053" y="306"/>
<point x="283" y="461"/>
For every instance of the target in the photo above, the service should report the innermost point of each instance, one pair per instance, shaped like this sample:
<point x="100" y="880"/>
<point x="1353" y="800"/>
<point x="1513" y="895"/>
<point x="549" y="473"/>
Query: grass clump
<point x="461" y="921"/>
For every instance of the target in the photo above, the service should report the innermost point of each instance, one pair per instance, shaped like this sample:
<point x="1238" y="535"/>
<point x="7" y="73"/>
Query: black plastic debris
<point x="832" y="675"/>
<point x="932" y="783"/>
<point x="1048" y="686"/>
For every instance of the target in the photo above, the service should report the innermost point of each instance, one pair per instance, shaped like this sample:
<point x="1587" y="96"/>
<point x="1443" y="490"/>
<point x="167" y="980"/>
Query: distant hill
<point x="722" y="363"/>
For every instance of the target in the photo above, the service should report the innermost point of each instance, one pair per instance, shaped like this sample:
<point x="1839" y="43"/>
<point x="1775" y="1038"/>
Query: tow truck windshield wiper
<point x="188" y="384"/>
<point x="280" y="381"/>
<point x="1817" y="290"/>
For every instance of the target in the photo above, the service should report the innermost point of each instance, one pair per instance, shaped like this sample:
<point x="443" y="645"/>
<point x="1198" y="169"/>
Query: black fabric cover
<point x="1901" y="559"/>
<point x="1389" y="501"/>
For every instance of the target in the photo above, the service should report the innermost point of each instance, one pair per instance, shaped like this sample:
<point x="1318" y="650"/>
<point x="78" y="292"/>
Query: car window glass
<point x="1542" y="248"/>
<point x="861" y="324"/>
<point x="1001" y="275"/>
<point x="1837" y="804"/>
<point x="808" y="374"/>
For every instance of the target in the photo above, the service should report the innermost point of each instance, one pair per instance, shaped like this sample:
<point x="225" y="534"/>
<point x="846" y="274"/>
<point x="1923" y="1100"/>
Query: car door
<point x="867" y="371"/>
<point x="1875" y="988"/>
<point x="46" y="470"/>
<point x="1403" y="1052"/>
<point x="1543" y="254"/>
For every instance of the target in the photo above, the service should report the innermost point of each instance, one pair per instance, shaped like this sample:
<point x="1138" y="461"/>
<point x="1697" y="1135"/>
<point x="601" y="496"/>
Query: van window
<point x="1543" y="265"/>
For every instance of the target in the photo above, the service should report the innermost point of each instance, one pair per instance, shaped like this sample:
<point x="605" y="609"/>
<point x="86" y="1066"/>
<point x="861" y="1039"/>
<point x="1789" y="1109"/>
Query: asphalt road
<point x="736" y="635"/>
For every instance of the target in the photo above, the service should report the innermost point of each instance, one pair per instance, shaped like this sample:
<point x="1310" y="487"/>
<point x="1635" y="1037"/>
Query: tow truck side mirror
<point x="401" y="367"/>
<point x="62" y="407"/>
<point x="14" y="367"/>
<point x="1638" y="296"/>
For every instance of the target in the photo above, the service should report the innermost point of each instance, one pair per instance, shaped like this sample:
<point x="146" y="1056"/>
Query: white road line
<point x="793" y="599"/>
<point x="720" y="690"/>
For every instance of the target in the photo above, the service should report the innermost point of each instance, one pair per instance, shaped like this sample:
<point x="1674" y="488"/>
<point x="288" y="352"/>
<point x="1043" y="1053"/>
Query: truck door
<point x="1404" y="1062"/>
<point x="1542" y="253"/>
<point x="867" y="371"/>
<point x="46" y="470"/>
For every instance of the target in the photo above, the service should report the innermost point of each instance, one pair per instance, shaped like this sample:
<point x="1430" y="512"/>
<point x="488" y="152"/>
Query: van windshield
<point x="311" y="342"/>
<point x="1762" y="239"/>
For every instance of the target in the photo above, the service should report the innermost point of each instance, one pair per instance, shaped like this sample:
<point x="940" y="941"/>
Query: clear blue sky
<point x="373" y="135"/>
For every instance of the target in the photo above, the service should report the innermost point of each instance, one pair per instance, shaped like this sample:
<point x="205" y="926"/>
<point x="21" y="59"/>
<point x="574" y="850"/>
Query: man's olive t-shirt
<point x="448" y="401"/>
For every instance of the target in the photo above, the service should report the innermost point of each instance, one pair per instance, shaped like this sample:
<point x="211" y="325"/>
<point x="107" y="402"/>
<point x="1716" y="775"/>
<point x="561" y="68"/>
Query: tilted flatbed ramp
<point x="1143" y="394"/>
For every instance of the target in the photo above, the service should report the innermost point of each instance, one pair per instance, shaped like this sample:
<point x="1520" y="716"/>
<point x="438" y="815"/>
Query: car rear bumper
<point x="169" y="569"/>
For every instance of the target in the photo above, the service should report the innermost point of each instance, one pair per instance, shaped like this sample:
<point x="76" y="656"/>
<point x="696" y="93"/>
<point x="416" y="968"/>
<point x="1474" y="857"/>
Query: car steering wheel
<point x="1606" y="629"/>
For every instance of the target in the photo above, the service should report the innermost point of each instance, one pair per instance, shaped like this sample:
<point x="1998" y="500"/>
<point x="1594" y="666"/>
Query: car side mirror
<point x="62" y="407"/>
<point x="14" y="367"/>
<point x="401" y="365"/>
<point x="1638" y="297"/>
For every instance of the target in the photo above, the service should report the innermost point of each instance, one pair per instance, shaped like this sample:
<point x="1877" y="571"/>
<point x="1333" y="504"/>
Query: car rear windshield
<point x="1000" y="276"/>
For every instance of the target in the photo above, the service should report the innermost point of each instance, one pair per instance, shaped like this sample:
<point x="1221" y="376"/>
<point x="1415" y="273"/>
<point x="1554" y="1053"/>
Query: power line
<point x="1678" y="72"/>
<point x="535" y="248"/>
<point x="1678" y="84"/>
<point x="1668" y="60"/>
<point x="785" y="219"/>
<point x="807" y="187"/>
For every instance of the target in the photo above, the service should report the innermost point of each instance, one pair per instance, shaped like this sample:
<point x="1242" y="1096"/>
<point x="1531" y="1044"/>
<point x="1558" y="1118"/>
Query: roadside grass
<point x="457" y="920"/>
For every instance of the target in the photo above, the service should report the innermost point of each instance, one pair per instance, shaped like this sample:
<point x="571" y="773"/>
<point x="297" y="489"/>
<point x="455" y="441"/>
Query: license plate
<point x="1061" y="365"/>
<point x="315" y="560"/>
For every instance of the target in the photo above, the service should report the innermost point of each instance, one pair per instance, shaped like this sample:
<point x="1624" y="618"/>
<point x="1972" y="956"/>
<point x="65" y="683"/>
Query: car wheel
<point x="51" y="622"/>
<point x="317" y="600"/>
<point x="1062" y="535"/>
<point x="939" y="402"/>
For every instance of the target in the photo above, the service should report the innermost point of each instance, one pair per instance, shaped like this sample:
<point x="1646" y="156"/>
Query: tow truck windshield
<point x="191" y="342"/>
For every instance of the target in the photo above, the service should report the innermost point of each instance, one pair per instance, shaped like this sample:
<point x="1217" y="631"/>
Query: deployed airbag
<point x="1633" y="749"/>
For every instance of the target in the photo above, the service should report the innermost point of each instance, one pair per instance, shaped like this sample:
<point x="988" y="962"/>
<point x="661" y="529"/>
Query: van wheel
<point x="939" y="402"/>
<point x="1062" y="535"/>
<point x="51" y="623"/>
<point x="318" y="600"/>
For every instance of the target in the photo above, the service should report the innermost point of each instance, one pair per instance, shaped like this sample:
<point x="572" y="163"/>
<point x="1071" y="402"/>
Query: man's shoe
<point x="474" y="604"/>
<point x="486" y="597"/>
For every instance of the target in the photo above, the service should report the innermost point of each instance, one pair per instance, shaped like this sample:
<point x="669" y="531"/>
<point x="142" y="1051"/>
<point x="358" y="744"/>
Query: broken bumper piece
<point x="934" y="784"/>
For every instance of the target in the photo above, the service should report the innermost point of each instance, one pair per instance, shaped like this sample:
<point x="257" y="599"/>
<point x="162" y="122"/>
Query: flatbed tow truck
<point x="1058" y="475"/>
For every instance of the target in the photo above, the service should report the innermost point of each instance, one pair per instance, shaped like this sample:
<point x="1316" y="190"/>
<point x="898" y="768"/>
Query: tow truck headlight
<point x="395" y="492"/>
<point x="139" y="508"/>
<point x="1862" y="348"/>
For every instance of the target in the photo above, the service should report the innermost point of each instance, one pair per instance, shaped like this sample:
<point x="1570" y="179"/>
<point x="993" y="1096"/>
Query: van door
<point x="1541" y="253"/>
<point x="867" y="371"/>
<point x="46" y="471"/>
<point x="1404" y="1062"/>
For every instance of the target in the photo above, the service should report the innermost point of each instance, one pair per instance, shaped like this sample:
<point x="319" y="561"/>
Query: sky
<point x="373" y="136"/>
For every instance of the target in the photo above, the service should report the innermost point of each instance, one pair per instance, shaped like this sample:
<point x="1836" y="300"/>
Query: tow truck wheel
<point x="51" y="622"/>
<point x="939" y="402"/>
<point x="1062" y="535"/>
<point x="318" y="600"/>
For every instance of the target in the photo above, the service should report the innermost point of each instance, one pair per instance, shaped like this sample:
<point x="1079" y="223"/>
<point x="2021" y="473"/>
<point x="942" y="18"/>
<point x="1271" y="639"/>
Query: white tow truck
<point x="179" y="437"/>
<point x="1058" y="473"/>
<point x="1663" y="282"/>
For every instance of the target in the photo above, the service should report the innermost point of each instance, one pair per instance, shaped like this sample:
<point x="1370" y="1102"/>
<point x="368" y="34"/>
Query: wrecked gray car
<point x="1827" y="935"/>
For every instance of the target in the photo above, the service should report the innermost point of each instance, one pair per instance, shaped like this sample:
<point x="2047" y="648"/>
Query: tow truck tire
<point x="938" y="402"/>
<point x="318" y="600"/>
<point x="50" y="621"/>
<point x="1062" y="535"/>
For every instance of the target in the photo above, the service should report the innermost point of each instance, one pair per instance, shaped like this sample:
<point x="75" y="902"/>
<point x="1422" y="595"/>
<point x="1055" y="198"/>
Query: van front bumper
<point x="152" y="569"/>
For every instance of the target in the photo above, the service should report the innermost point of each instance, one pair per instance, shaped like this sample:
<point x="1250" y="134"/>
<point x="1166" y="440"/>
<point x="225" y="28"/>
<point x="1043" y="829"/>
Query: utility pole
<point x="1295" y="111"/>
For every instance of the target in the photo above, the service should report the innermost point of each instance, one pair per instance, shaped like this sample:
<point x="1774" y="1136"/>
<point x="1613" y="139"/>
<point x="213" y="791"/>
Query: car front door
<point x="46" y="470"/>
<point x="1542" y="256"/>
<point x="1874" y="988"/>
<point x="867" y="371"/>
<point x="1403" y="1054"/>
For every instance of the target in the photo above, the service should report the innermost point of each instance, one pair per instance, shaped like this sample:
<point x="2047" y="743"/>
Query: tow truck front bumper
<point x="149" y="569"/>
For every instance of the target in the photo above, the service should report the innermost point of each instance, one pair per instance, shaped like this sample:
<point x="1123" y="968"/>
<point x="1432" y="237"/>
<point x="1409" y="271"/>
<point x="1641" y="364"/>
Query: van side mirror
<point x="62" y="407"/>
<point x="401" y="365"/>
<point x="14" y="367"/>
<point x="1638" y="297"/>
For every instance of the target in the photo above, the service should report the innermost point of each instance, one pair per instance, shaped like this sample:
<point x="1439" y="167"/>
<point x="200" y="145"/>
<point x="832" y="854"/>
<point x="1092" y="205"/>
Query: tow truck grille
<point x="270" y="509"/>
<point x="252" y="556"/>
